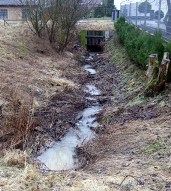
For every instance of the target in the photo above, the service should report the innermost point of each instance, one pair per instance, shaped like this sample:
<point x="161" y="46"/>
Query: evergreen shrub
<point x="140" y="44"/>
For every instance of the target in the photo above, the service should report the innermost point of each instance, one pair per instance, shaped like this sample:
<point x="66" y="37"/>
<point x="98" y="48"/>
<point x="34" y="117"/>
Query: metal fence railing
<point x="102" y="9"/>
<point x="150" y="15"/>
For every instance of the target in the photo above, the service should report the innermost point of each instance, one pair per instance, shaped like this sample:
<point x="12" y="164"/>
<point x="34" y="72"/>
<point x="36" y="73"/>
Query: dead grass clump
<point x="17" y="120"/>
<point x="17" y="174"/>
<point x="61" y="82"/>
<point x="16" y="158"/>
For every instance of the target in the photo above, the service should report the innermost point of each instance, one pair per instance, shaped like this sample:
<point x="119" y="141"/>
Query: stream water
<point x="62" y="155"/>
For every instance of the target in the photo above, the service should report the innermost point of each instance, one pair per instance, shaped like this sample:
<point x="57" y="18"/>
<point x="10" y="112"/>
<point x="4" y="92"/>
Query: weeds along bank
<point x="140" y="44"/>
<point x="37" y="86"/>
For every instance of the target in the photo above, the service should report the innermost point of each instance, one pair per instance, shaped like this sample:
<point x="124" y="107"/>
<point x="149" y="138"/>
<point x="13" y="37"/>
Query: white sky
<point x="153" y="2"/>
<point x="117" y="2"/>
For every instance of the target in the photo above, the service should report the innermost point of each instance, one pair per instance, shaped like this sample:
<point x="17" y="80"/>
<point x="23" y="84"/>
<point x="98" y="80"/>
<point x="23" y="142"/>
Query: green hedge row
<point x="140" y="44"/>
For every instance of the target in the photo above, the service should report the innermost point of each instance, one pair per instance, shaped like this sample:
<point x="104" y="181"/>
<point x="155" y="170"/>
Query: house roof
<point x="93" y="2"/>
<point x="11" y="2"/>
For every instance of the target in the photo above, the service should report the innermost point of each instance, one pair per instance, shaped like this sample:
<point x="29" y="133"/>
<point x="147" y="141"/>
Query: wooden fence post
<point x="157" y="74"/>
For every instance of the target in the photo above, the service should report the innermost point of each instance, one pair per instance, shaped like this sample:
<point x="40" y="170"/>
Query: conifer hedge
<point x="140" y="44"/>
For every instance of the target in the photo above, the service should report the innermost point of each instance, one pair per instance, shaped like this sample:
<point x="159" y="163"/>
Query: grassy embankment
<point x="35" y="84"/>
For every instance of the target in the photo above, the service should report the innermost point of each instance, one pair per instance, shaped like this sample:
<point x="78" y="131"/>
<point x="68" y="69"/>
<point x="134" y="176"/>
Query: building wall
<point x="14" y="13"/>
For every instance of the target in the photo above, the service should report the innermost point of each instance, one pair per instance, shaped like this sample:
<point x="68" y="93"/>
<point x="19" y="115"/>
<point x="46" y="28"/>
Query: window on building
<point x="25" y="14"/>
<point x="3" y="14"/>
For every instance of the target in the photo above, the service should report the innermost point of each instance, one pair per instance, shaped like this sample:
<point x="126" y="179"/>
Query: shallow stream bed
<point x="62" y="155"/>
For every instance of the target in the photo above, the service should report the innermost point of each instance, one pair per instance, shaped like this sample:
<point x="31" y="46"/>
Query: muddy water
<point x="62" y="155"/>
<point x="89" y="69"/>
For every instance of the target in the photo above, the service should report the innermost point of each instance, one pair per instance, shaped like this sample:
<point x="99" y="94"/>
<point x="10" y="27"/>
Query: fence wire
<point x="149" y="15"/>
<point x="102" y="10"/>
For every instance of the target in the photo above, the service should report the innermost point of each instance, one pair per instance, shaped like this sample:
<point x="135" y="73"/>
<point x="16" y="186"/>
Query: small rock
<point x="69" y="54"/>
<point x="125" y="164"/>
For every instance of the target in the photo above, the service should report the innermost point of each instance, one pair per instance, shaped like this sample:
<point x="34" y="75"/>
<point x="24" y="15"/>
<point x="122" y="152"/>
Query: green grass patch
<point x="24" y="50"/>
<point x="155" y="147"/>
<point x="137" y="101"/>
<point x="83" y="38"/>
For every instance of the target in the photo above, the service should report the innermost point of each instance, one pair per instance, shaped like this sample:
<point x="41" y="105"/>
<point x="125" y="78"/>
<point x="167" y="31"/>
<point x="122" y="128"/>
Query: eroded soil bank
<point x="133" y="148"/>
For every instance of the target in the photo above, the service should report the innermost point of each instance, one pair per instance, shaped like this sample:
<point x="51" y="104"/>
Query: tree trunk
<point x="156" y="74"/>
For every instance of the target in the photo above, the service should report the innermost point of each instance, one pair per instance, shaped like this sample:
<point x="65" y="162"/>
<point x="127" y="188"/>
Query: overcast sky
<point x="117" y="3"/>
<point x="155" y="3"/>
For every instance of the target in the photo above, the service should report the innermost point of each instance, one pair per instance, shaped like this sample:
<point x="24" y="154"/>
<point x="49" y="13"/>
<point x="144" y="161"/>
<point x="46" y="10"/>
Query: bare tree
<point x="57" y="18"/>
<point x="35" y="12"/>
<point x="63" y="15"/>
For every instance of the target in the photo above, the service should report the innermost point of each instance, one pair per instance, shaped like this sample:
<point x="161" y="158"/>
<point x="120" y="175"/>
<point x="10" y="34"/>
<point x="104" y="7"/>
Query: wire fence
<point x="149" y="15"/>
<point x="101" y="10"/>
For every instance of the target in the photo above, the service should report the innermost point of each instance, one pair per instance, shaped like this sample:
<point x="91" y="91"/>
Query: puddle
<point x="91" y="98"/>
<point x="62" y="155"/>
<point x="89" y="69"/>
<point x="90" y="88"/>
<point x="90" y="58"/>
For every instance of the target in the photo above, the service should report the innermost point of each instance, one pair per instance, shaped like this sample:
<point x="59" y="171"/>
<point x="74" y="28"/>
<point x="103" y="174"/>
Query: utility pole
<point x="159" y="13"/>
<point x="136" y="13"/>
<point x="145" y="21"/>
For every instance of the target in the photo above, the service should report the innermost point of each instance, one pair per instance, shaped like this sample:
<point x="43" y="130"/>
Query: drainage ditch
<point x="62" y="155"/>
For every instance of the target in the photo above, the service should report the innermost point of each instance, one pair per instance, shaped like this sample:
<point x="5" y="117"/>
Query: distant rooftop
<point x="11" y="2"/>
<point x="92" y="2"/>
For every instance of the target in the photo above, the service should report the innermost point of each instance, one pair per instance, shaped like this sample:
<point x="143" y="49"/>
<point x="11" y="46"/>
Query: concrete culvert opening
<point x="95" y="41"/>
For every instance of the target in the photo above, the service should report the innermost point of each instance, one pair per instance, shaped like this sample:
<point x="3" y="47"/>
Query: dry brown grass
<point x="96" y="25"/>
<point x="136" y="151"/>
<point x="31" y="73"/>
<point x="29" y="64"/>
<point x="17" y="120"/>
<point x="17" y="175"/>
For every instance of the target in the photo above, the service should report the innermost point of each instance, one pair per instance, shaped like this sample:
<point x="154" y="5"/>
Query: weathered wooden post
<point x="157" y="74"/>
<point x="152" y="62"/>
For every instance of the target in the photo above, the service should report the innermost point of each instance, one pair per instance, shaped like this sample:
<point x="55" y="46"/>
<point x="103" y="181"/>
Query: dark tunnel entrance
<point x="95" y="41"/>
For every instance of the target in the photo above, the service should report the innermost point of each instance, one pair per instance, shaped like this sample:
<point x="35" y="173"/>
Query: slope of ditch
<point x="40" y="93"/>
